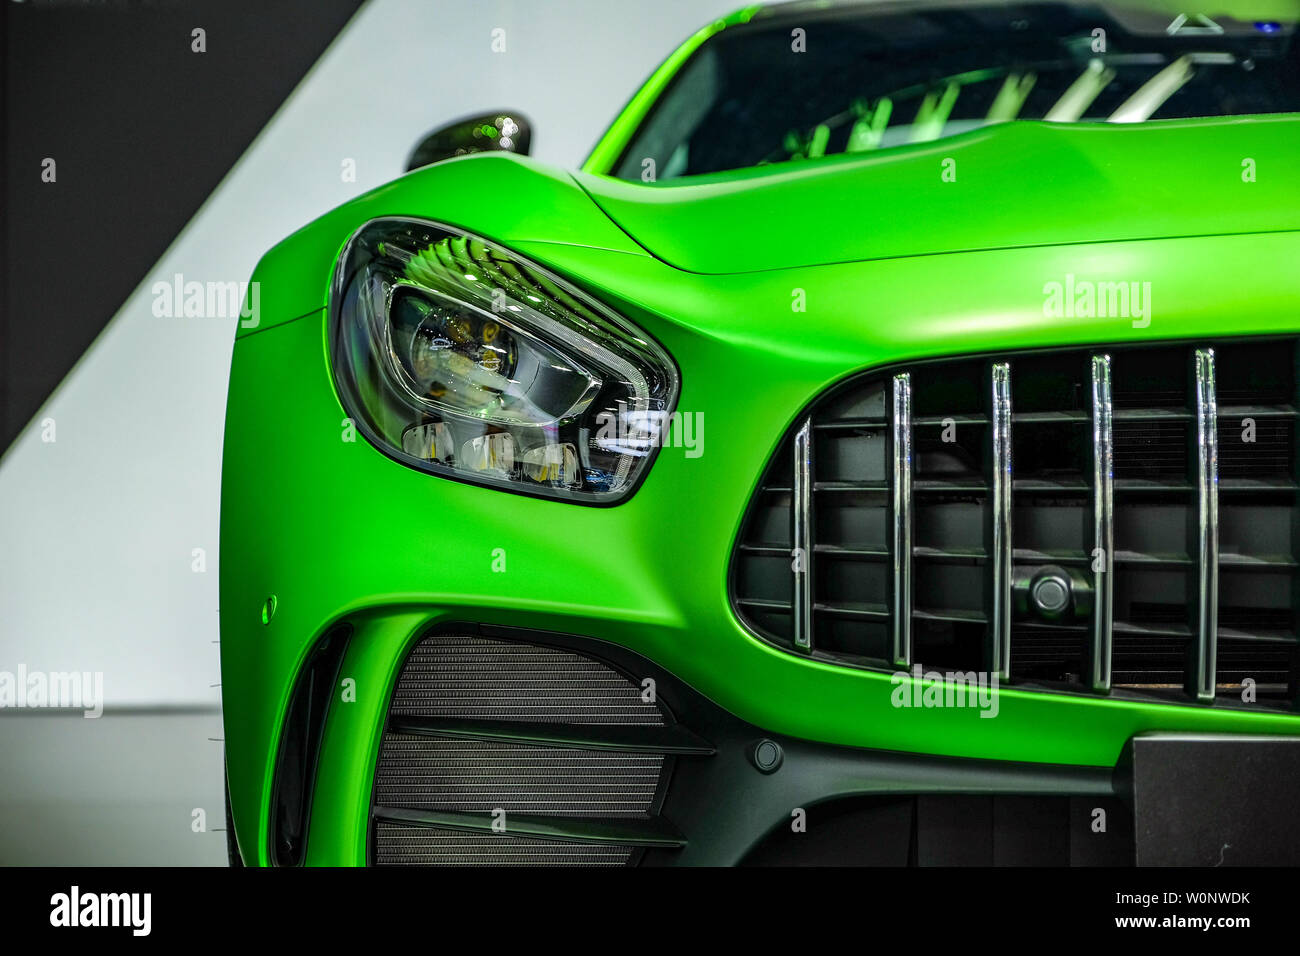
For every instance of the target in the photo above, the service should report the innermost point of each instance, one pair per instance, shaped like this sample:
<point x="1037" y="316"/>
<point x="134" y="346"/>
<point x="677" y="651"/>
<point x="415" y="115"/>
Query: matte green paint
<point x="339" y="531"/>
<point x="519" y="199"/>
<point x="1016" y="184"/>
<point x="336" y="528"/>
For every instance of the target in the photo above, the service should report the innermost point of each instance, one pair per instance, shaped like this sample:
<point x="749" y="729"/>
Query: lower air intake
<point x="512" y="753"/>
<point x="421" y="846"/>
<point x="475" y="677"/>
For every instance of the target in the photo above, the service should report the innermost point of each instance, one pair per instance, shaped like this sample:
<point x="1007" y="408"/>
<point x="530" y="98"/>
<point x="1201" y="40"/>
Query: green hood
<point x="1011" y="185"/>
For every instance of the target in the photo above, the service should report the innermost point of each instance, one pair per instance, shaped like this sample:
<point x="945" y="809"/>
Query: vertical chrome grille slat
<point x="1103" y="527"/>
<point x="1201" y="677"/>
<point x="902" y="520"/>
<point x="802" y="607"/>
<point x="1000" y="557"/>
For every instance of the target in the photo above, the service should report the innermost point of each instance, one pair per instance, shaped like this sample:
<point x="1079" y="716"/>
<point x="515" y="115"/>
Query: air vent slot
<point x="300" y="742"/>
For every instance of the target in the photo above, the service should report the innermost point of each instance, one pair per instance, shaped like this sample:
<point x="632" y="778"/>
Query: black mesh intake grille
<point x="506" y="752"/>
<point x="483" y="775"/>
<point x="1119" y="517"/>
<point x="419" y="846"/>
<point x="468" y="676"/>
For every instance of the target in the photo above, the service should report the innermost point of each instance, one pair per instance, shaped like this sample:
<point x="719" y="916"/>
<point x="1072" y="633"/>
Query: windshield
<point x="803" y="82"/>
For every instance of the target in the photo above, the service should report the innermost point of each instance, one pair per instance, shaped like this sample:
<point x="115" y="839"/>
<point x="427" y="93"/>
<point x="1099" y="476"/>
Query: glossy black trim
<point x="299" y="749"/>
<point x="461" y="137"/>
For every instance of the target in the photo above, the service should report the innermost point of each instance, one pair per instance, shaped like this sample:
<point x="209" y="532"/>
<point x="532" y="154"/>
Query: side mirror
<point x="503" y="130"/>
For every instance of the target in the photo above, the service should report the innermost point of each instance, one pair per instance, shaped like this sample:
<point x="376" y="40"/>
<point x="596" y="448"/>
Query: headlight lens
<point x="459" y="357"/>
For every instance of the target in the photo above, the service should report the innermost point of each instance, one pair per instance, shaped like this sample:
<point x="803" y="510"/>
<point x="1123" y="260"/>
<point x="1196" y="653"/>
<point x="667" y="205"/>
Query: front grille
<point x="1079" y="520"/>
<point x="518" y="753"/>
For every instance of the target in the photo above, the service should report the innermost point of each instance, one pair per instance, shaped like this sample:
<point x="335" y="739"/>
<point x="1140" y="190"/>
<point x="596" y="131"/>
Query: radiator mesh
<point x="420" y="846"/>
<point x="476" y="677"/>
<point x="470" y="678"/>
<point x="480" y="776"/>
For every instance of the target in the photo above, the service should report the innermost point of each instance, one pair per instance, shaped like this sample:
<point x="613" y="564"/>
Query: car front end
<point x="940" y="480"/>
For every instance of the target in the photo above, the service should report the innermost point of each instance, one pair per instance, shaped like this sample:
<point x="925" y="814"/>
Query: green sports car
<point x="882" y="451"/>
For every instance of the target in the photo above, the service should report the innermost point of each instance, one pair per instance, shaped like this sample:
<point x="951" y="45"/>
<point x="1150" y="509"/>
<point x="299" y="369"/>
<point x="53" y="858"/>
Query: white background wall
<point x="98" y="528"/>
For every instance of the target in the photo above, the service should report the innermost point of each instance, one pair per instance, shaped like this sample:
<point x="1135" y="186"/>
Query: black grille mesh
<point x="481" y="775"/>
<point x="1155" y="506"/>
<point x="398" y="845"/>
<point x="470" y="676"/>
<point x="474" y="678"/>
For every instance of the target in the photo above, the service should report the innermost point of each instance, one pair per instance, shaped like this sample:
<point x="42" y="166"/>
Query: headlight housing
<point x="459" y="357"/>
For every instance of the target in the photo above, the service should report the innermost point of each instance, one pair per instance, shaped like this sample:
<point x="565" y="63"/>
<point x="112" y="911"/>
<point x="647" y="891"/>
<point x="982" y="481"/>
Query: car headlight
<point x="459" y="357"/>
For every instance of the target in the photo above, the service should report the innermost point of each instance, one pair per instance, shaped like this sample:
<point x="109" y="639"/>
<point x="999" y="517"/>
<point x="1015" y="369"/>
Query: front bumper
<point x="339" y="532"/>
